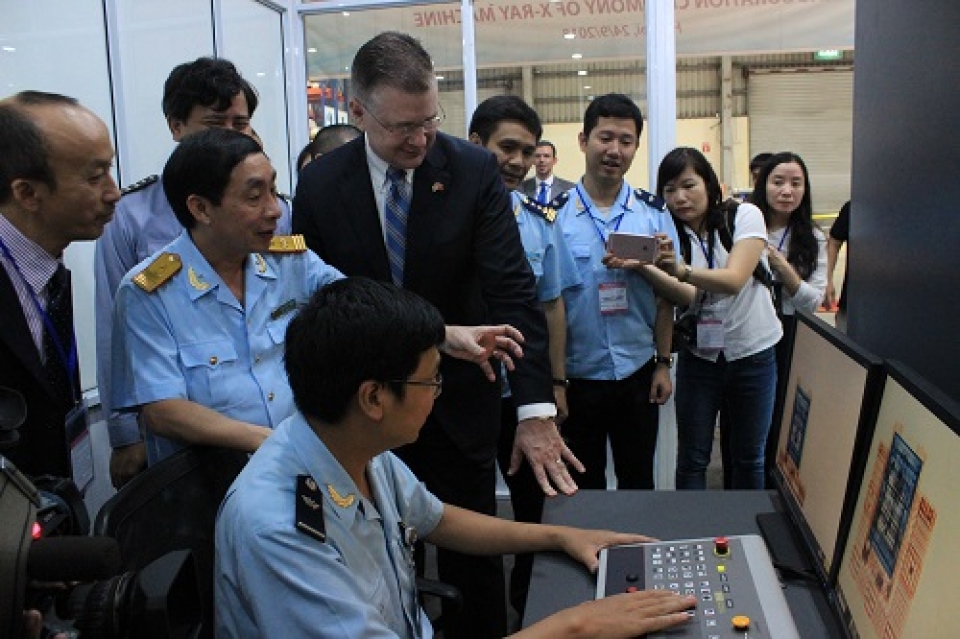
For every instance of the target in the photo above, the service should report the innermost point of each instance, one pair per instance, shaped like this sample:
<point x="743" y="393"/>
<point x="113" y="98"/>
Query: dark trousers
<point x="526" y="497"/>
<point x="621" y="411"/>
<point x="461" y="481"/>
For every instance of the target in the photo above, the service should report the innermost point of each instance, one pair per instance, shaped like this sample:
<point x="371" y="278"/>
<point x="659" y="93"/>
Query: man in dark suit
<point x="545" y="186"/>
<point x="407" y="204"/>
<point x="55" y="188"/>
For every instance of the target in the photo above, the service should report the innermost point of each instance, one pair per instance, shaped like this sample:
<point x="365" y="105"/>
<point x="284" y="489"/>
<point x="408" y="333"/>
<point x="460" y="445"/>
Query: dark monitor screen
<point x="830" y="397"/>
<point x="901" y="563"/>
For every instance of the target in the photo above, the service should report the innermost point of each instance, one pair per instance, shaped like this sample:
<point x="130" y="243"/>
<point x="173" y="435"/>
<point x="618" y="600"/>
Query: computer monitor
<point x="830" y="400"/>
<point x="901" y="562"/>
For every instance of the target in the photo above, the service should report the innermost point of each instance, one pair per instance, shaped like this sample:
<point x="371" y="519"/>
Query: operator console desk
<point x="699" y="517"/>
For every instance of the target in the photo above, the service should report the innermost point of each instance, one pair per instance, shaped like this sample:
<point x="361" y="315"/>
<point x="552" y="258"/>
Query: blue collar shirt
<point x="143" y="223"/>
<point x="192" y="339"/>
<point x="272" y="580"/>
<point x="609" y="346"/>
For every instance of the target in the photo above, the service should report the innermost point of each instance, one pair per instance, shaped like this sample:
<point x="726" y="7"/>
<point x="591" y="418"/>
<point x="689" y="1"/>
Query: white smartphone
<point x="633" y="246"/>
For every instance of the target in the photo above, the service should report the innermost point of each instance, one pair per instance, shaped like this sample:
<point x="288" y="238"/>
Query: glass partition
<point x="332" y="39"/>
<point x="28" y="40"/>
<point x="252" y="39"/>
<point x="152" y="38"/>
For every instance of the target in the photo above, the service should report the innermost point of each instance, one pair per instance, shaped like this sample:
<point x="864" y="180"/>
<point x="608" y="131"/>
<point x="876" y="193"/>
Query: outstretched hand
<point x="538" y="440"/>
<point x="480" y="344"/>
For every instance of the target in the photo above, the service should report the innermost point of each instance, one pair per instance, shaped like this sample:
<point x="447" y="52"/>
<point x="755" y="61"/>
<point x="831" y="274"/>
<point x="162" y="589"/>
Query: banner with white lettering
<point x="512" y="32"/>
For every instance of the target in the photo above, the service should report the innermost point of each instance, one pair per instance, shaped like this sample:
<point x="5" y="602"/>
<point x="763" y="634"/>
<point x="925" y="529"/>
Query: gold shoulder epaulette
<point x="158" y="272"/>
<point x="287" y="244"/>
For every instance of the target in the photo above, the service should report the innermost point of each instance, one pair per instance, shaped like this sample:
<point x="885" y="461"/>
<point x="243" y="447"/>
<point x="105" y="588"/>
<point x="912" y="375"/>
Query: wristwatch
<point x="561" y="382"/>
<point x="661" y="359"/>
<point x="685" y="273"/>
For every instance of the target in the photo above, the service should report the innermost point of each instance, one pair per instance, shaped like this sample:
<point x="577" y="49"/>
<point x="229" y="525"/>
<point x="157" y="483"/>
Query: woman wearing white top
<point x="797" y="249"/>
<point x="797" y="246"/>
<point x="732" y="370"/>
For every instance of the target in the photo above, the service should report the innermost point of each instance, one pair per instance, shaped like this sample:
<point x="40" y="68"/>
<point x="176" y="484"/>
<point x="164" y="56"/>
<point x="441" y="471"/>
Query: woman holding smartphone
<point x="731" y="370"/>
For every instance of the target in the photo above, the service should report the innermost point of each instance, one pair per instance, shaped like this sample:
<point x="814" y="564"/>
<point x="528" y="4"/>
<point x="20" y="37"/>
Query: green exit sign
<point x="828" y="54"/>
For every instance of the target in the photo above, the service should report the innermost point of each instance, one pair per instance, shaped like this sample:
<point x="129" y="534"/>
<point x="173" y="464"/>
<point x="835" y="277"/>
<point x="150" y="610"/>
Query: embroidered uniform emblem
<point x="340" y="500"/>
<point x="196" y="281"/>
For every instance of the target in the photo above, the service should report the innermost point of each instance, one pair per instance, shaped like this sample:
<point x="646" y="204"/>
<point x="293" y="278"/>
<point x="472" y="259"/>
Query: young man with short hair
<point x="315" y="538"/>
<point x="618" y="330"/>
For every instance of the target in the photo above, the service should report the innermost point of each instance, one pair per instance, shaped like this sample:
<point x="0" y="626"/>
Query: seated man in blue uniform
<point x="315" y="537"/>
<point x="199" y="327"/>
<point x="202" y="94"/>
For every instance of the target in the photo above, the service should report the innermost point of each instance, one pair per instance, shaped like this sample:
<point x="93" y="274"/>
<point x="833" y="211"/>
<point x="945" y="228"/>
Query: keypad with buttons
<point x="719" y="572"/>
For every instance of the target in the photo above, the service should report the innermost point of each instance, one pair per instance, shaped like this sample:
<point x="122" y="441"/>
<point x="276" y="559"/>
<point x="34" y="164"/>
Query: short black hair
<point x="206" y="82"/>
<point x="492" y="111"/>
<point x="392" y="59"/>
<point x="611" y="105"/>
<point x="351" y="331"/>
<point x="201" y="165"/>
<point x="327" y="139"/>
<point x="24" y="149"/>
<point x="759" y="160"/>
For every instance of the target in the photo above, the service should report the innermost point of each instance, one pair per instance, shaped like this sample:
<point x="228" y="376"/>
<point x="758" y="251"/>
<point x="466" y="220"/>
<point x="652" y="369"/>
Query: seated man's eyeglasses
<point x="436" y="382"/>
<point x="406" y="129"/>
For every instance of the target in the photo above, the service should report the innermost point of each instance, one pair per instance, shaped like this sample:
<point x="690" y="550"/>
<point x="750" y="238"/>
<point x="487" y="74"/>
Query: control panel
<point x="738" y="593"/>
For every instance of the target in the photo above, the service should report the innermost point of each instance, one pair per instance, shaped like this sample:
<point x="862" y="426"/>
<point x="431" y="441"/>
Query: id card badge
<point x="613" y="298"/>
<point x="81" y="446"/>
<point x="710" y="334"/>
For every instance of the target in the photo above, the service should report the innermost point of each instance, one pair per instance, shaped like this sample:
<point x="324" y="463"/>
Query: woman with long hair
<point x="797" y="246"/>
<point x="731" y="369"/>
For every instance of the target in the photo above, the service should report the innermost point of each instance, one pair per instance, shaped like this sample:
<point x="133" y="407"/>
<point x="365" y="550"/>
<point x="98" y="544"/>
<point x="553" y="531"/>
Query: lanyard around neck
<point x="69" y="360"/>
<point x="597" y="223"/>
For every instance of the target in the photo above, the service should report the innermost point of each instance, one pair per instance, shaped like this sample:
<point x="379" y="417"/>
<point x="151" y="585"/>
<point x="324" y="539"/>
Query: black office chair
<point x="173" y="506"/>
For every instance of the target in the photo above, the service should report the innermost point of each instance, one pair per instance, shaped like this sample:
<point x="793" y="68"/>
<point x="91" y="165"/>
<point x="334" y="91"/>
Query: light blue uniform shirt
<point x="546" y="252"/>
<point x="143" y="223"/>
<point x="609" y="346"/>
<point x="545" y="248"/>
<point x="191" y="338"/>
<point x="272" y="580"/>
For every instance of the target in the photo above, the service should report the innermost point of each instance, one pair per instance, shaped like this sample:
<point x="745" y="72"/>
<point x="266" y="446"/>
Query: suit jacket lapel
<point x="356" y="193"/>
<point x="431" y="185"/>
<point x="14" y="330"/>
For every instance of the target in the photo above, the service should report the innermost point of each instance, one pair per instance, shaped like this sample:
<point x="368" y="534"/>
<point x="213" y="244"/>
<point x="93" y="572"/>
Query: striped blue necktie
<point x="396" y="209"/>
